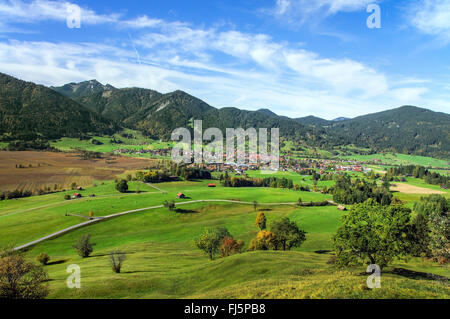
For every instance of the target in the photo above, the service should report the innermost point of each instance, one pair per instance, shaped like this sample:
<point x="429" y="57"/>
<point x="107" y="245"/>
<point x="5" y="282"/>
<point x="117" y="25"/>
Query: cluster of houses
<point x="353" y="168"/>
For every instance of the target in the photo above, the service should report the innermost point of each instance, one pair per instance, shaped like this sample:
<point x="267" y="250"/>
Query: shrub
<point x="43" y="258"/>
<point x="8" y="250"/>
<point x="117" y="259"/>
<point x="170" y="205"/>
<point x="67" y="197"/>
<point x="122" y="186"/>
<point x="83" y="246"/>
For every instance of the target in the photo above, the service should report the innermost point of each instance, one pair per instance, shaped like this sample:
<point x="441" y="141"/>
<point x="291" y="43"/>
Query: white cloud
<point x="431" y="17"/>
<point x="43" y="10"/>
<point x="223" y="67"/>
<point x="409" y="95"/>
<point x="299" y="11"/>
<point x="141" y="22"/>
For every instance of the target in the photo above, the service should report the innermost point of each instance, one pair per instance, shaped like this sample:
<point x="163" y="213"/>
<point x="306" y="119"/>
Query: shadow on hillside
<point x="321" y="252"/>
<point x="185" y="211"/>
<point x="135" y="272"/>
<point x="411" y="274"/>
<point x="57" y="262"/>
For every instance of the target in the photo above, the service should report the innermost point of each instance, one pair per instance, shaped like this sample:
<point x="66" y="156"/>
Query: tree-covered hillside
<point x="32" y="109"/>
<point x="28" y="111"/>
<point x="407" y="129"/>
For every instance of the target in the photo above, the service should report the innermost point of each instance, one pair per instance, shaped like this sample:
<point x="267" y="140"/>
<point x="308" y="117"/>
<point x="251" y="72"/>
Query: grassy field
<point x="295" y="177"/>
<point x="401" y="159"/>
<point x="138" y="142"/>
<point x="162" y="261"/>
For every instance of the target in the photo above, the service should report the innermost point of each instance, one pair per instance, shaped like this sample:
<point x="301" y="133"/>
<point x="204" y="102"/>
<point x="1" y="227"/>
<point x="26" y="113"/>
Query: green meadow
<point x="162" y="261"/>
<point x="400" y="159"/>
<point x="137" y="142"/>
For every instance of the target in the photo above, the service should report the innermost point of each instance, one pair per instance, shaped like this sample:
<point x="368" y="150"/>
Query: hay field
<point x="411" y="189"/>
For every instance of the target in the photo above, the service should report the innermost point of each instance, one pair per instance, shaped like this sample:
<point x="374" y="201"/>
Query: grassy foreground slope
<point x="163" y="263"/>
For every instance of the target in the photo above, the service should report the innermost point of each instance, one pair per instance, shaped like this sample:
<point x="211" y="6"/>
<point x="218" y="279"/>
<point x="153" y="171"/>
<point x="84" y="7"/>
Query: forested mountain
<point x="157" y="115"/>
<point x="289" y="129"/>
<point x="28" y="110"/>
<point x="407" y="129"/>
<point x="170" y="111"/>
<point x="120" y="105"/>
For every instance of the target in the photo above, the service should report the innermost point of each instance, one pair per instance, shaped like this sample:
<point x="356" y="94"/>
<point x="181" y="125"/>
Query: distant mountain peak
<point x="267" y="112"/>
<point x="81" y="89"/>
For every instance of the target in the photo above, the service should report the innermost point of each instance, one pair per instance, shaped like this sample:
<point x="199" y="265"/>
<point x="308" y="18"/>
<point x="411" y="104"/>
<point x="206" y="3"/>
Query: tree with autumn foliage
<point x="230" y="247"/>
<point x="20" y="279"/>
<point x="264" y="240"/>
<point x="261" y="221"/>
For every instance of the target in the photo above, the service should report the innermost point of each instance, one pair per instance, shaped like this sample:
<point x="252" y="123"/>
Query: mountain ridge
<point x="102" y="108"/>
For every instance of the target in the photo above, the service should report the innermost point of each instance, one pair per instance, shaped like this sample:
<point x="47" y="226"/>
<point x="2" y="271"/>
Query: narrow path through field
<point x="157" y="188"/>
<point x="98" y="219"/>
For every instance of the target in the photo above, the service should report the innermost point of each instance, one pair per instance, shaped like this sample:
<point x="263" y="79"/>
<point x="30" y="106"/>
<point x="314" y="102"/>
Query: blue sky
<point x="295" y="57"/>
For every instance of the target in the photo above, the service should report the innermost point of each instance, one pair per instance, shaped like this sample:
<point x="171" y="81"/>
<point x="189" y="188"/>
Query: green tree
<point x="440" y="236"/>
<point x="261" y="221"/>
<point x="419" y="237"/>
<point x="209" y="242"/>
<point x="222" y="232"/>
<point x="372" y="233"/>
<point x="122" y="186"/>
<point x="430" y="204"/>
<point x="83" y="246"/>
<point x="287" y="233"/>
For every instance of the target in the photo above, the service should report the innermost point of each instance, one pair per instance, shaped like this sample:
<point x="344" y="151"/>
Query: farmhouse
<point x="76" y="195"/>
<point x="181" y="195"/>
<point x="211" y="185"/>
